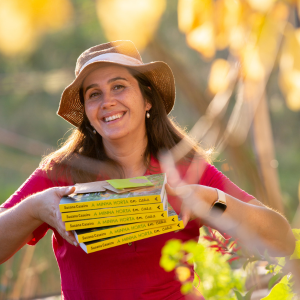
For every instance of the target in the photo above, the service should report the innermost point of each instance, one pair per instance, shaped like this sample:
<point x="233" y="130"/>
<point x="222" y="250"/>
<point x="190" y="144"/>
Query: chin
<point x="115" y="136"/>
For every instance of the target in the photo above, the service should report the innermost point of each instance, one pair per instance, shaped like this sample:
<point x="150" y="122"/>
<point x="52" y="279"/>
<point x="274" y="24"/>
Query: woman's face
<point x="114" y="103"/>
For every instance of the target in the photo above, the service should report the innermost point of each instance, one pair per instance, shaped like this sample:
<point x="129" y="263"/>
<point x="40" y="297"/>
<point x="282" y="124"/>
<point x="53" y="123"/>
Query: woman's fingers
<point x="185" y="213"/>
<point x="67" y="235"/>
<point x="170" y="191"/>
<point x="64" y="191"/>
<point x="61" y="227"/>
<point x="48" y="210"/>
<point x="71" y="238"/>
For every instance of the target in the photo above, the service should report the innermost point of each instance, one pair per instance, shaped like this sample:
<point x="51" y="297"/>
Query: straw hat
<point x="122" y="53"/>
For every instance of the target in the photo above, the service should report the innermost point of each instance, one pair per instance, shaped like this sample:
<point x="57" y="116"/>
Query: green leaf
<point x="296" y="233"/>
<point x="167" y="264"/>
<point x="274" y="279"/>
<point x="239" y="295"/>
<point x="281" y="291"/>
<point x="296" y="254"/>
<point x="186" y="288"/>
<point x="249" y="293"/>
<point x="172" y="247"/>
<point x="190" y="246"/>
<point x="280" y="264"/>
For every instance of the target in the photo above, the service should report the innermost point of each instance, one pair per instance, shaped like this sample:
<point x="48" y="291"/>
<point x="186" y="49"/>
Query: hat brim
<point x="159" y="74"/>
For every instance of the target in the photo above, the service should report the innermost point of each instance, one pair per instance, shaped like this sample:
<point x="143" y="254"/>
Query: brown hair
<point x="82" y="155"/>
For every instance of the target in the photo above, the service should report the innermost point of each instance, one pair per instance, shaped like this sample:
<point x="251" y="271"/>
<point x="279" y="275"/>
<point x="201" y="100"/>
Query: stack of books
<point x="106" y="214"/>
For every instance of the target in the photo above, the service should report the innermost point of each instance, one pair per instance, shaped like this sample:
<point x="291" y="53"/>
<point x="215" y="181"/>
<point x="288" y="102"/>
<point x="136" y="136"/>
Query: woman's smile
<point x="114" y="117"/>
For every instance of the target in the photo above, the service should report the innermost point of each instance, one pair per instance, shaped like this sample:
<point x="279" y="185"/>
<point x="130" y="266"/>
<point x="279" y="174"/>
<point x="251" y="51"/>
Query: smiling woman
<point x="119" y="107"/>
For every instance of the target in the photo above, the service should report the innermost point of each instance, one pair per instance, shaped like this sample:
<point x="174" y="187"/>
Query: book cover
<point x="110" y="242"/>
<point x="107" y="198"/>
<point x="86" y="235"/>
<point x="114" y="211"/>
<point x="118" y="220"/>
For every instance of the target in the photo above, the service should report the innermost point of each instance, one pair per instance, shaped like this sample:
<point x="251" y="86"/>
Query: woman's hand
<point x="196" y="200"/>
<point x="45" y="207"/>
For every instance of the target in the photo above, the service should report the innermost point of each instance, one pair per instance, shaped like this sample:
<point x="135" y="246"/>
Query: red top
<point x="126" y="271"/>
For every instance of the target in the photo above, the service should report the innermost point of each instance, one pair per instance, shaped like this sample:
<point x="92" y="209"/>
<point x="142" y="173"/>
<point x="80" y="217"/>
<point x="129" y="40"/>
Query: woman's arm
<point x="18" y="223"/>
<point x="241" y="220"/>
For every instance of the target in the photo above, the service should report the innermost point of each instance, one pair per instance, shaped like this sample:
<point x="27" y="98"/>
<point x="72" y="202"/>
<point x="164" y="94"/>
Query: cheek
<point x="90" y="110"/>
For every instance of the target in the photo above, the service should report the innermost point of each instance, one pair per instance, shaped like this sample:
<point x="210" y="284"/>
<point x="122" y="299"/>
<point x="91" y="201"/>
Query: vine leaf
<point x="247" y="295"/>
<point x="274" y="280"/>
<point x="281" y="290"/>
<point x="239" y="295"/>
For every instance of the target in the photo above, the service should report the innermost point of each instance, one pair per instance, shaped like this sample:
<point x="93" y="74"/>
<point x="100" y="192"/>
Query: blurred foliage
<point x="251" y="30"/>
<point x="144" y="19"/>
<point x="22" y="22"/>
<point x="217" y="279"/>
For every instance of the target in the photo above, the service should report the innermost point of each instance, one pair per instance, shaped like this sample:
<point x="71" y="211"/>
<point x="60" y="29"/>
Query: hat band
<point x="114" y="58"/>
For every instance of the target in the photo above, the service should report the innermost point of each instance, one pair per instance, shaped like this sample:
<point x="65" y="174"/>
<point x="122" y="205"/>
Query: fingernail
<point x="67" y="233"/>
<point x="75" y="244"/>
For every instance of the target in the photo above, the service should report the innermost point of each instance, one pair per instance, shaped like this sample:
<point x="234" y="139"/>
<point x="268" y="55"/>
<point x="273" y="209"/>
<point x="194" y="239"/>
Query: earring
<point x="94" y="131"/>
<point x="148" y="115"/>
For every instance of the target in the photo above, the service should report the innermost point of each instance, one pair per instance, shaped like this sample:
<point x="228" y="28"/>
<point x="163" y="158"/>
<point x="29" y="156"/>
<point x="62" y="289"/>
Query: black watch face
<point x="218" y="209"/>
<point x="220" y="206"/>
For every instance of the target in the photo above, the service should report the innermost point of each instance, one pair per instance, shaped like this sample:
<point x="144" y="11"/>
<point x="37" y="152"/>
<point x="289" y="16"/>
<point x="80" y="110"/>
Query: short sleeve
<point x="214" y="178"/>
<point x="37" y="182"/>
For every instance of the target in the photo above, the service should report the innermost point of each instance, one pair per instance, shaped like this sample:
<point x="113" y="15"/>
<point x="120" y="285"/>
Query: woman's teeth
<point x="114" y="117"/>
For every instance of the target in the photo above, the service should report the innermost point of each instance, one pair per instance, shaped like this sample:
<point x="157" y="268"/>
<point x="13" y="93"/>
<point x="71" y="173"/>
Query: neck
<point x="129" y="155"/>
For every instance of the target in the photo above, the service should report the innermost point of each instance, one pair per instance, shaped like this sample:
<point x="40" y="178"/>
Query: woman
<point x="119" y="106"/>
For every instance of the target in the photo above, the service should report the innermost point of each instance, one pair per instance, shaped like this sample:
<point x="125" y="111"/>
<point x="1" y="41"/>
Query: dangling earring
<point x="148" y="115"/>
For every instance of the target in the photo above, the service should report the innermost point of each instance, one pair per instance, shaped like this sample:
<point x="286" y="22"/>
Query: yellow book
<point x="114" y="211"/>
<point x="100" y="222"/>
<point x="86" y="235"/>
<point x="107" y="198"/>
<point x="98" y="245"/>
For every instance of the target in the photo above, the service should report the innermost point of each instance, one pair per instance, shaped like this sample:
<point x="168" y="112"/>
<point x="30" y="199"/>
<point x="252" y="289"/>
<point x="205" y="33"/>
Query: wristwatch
<point x="219" y="206"/>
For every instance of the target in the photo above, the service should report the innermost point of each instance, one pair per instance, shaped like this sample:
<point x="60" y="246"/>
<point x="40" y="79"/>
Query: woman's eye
<point x="94" y="94"/>
<point x="118" y="87"/>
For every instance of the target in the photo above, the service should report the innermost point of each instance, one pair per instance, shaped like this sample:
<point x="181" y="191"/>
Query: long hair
<point x="82" y="158"/>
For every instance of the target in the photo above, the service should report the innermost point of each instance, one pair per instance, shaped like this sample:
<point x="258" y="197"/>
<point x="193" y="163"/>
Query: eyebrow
<point x="109" y="81"/>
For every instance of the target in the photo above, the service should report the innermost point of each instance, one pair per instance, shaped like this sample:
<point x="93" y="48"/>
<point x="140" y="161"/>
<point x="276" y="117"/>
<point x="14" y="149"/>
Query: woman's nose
<point x="108" y="101"/>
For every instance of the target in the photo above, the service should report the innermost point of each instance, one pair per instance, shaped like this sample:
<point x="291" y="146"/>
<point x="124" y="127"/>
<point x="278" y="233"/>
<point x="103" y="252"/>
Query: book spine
<point x="131" y="237"/>
<point x="78" y="206"/>
<point x="118" y="230"/>
<point x="109" y="212"/>
<point x="100" y="222"/>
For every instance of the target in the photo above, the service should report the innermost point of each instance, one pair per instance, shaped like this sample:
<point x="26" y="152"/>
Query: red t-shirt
<point x="129" y="271"/>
